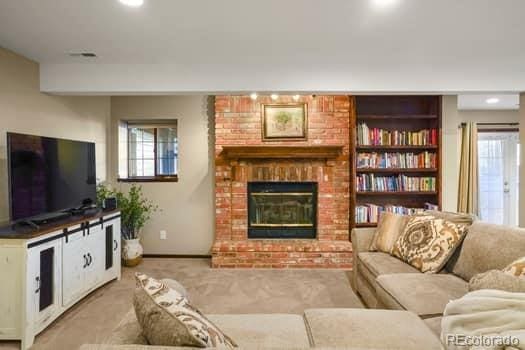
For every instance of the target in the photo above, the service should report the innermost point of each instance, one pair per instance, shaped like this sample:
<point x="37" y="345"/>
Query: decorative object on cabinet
<point x="136" y="210"/>
<point x="132" y="252"/>
<point x="284" y="122"/>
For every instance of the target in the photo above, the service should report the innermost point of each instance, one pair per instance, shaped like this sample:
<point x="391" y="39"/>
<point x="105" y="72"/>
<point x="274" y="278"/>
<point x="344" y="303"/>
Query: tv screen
<point x="48" y="175"/>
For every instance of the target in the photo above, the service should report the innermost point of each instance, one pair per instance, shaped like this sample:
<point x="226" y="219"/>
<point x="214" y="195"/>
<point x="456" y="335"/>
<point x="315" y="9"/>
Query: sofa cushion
<point x="496" y="279"/>
<point x="489" y="247"/>
<point x="373" y="264"/>
<point x="264" y="330"/>
<point x="249" y="331"/>
<point x="427" y="244"/>
<point x="389" y="228"/>
<point x="383" y="264"/>
<point x="424" y="294"/>
<point x="167" y="318"/>
<point x="369" y="329"/>
<point x="434" y="324"/>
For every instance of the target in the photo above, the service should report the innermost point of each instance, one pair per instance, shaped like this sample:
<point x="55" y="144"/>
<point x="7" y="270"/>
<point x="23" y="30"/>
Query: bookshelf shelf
<point x="396" y="193"/>
<point x="396" y="170"/>
<point x="397" y="116"/>
<point x="366" y="224"/>
<point x="395" y="148"/>
<point x="386" y="115"/>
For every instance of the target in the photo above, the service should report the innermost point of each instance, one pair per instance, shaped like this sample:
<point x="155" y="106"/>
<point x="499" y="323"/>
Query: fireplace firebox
<point x="282" y="210"/>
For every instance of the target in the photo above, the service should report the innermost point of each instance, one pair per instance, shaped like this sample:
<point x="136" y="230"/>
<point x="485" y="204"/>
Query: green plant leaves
<point x="135" y="209"/>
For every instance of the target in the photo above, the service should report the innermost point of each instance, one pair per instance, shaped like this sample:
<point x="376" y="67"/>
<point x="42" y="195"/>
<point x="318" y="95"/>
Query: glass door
<point x="498" y="159"/>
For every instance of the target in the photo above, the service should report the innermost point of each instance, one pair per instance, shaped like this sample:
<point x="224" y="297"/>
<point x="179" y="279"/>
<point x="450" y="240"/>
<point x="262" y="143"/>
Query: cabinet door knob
<point x="37" y="284"/>
<point x="85" y="262"/>
<point x="90" y="259"/>
<point x="115" y="245"/>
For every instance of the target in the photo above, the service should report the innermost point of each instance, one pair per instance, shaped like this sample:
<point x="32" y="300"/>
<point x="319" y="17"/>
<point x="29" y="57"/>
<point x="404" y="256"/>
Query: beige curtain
<point x="468" y="170"/>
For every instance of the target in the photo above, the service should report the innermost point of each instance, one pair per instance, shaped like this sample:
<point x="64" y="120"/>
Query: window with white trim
<point x="148" y="150"/>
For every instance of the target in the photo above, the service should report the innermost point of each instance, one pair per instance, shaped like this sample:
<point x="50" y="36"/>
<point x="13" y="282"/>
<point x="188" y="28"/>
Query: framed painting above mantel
<point x="282" y="122"/>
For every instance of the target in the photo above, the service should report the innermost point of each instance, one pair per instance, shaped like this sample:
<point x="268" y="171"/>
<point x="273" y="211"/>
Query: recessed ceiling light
<point x="253" y="96"/>
<point x="384" y="3"/>
<point x="492" y="100"/>
<point x="296" y="98"/>
<point x="132" y="3"/>
<point x="274" y="96"/>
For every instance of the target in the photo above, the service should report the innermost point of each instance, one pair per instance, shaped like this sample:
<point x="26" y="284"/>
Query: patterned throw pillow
<point x="516" y="268"/>
<point x="167" y="318"/>
<point x="427" y="243"/>
<point x="389" y="227"/>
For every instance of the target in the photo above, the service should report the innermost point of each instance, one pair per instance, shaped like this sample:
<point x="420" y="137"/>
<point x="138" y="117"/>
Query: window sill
<point x="173" y="178"/>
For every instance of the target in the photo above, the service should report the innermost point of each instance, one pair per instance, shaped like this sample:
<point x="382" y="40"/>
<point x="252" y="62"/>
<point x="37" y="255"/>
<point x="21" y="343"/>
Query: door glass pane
<point x="498" y="180"/>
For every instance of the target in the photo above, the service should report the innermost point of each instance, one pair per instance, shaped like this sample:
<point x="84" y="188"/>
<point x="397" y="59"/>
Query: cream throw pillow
<point x="496" y="279"/>
<point x="427" y="243"/>
<point x="516" y="268"/>
<point x="167" y="318"/>
<point x="389" y="227"/>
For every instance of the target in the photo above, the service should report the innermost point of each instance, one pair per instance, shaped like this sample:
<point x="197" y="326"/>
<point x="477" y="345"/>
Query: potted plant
<point x="135" y="211"/>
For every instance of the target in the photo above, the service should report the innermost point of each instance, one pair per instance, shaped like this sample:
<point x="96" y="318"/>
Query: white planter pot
<point x="132" y="252"/>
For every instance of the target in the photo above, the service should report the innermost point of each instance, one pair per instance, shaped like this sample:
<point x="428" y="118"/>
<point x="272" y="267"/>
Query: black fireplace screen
<point x="282" y="209"/>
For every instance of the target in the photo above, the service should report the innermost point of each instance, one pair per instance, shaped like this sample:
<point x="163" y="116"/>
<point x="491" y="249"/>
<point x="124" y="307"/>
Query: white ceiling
<point x="479" y="101"/>
<point x="271" y="45"/>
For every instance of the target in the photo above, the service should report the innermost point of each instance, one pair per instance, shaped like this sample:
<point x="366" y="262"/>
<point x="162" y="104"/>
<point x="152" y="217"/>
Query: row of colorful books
<point x="423" y="160"/>
<point x="381" y="137"/>
<point x="369" y="213"/>
<point x="401" y="183"/>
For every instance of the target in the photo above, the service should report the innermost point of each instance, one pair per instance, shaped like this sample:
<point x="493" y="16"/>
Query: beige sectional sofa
<point x="385" y="282"/>
<point x="416" y="301"/>
<point x="352" y="329"/>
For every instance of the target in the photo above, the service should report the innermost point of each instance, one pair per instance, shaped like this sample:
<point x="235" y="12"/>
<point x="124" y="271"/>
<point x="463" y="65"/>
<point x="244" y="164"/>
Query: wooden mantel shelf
<point x="281" y="152"/>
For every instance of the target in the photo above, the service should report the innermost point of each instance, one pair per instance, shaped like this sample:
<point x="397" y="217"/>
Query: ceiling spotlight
<point x="253" y="96"/>
<point x="296" y="98"/>
<point x="132" y="3"/>
<point x="274" y="96"/>
<point x="492" y="100"/>
<point x="384" y="3"/>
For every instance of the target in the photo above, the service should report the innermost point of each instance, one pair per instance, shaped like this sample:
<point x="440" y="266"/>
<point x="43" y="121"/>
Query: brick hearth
<point x="238" y="123"/>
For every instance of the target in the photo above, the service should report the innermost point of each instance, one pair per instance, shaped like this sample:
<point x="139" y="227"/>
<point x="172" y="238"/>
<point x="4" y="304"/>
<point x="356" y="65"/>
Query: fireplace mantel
<point x="281" y="152"/>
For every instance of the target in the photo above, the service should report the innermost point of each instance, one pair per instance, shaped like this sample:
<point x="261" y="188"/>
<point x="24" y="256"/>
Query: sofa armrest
<point x="361" y="240"/>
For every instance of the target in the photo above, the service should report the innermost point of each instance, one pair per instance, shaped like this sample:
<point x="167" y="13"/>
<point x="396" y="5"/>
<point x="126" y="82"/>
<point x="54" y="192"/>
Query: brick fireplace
<point x="243" y="160"/>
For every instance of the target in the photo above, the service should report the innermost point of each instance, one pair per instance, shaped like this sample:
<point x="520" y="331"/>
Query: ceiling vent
<point x="83" y="54"/>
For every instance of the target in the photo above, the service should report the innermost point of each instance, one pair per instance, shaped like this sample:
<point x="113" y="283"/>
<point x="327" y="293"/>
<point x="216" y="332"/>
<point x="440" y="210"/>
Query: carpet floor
<point x="213" y="291"/>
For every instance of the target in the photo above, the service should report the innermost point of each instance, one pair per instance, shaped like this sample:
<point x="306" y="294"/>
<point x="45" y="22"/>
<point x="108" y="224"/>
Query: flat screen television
<point x="49" y="175"/>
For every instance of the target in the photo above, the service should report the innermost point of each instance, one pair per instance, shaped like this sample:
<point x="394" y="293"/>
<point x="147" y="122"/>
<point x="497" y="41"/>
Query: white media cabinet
<point x="44" y="273"/>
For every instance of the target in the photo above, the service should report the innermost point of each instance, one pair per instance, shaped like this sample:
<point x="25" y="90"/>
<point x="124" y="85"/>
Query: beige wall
<point x="452" y="117"/>
<point x="188" y="205"/>
<point x="24" y="109"/>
